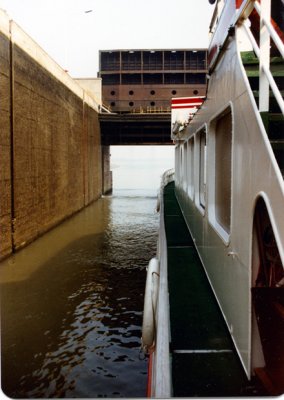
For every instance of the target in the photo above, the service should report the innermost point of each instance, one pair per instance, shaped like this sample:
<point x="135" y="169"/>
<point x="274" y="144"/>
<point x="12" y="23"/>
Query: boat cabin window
<point x="177" y="168"/>
<point x="181" y="164"/>
<point x="223" y="158"/>
<point x="190" y="167"/>
<point x="201" y="140"/>
<point x="184" y="166"/>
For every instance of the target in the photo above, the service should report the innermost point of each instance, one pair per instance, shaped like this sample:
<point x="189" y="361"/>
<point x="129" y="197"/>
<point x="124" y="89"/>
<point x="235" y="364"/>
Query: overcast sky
<point x="72" y="36"/>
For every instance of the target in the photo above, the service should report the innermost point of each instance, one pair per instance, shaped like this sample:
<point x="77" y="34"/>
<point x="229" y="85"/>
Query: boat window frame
<point x="177" y="165"/>
<point x="191" y="167"/>
<point x="201" y="204"/>
<point x="181" y="156"/>
<point x="184" y="166"/>
<point x="224" y="234"/>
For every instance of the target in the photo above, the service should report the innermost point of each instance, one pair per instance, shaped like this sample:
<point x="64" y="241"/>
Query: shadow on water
<point x="73" y="328"/>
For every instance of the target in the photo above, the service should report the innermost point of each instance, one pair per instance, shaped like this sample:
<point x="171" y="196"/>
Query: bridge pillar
<point x="106" y="172"/>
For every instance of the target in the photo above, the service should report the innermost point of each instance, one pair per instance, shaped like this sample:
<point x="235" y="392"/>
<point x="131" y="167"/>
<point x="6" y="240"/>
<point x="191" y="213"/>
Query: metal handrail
<point x="151" y="110"/>
<point x="274" y="35"/>
<point x="264" y="68"/>
<point x="106" y="108"/>
<point x="274" y="88"/>
<point x="167" y="177"/>
<point x="252" y="39"/>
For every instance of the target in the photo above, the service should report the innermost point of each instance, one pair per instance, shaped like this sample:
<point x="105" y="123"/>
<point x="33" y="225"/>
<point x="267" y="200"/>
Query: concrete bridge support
<point x="50" y="147"/>
<point x="106" y="172"/>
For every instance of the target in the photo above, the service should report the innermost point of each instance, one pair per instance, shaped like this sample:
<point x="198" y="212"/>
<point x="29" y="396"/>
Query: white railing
<point x="167" y="177"/>
<point x="266" y="32"/>
<point x="266" y="21"/>
<point x="106" y="109"/>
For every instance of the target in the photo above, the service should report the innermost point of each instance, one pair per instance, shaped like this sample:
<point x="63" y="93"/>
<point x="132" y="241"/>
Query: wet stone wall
<point x="50" y="164"/>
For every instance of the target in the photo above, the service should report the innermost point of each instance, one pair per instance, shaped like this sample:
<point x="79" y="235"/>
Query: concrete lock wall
<point x="5" y="148"/>
<point x="50" y="150"/>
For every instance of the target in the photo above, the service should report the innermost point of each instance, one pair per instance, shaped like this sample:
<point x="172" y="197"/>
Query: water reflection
<point x="72" y="305"/>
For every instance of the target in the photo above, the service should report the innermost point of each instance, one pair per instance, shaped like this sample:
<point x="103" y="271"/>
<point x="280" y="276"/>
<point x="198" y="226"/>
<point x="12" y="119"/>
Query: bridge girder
<point x="135" y="129"/>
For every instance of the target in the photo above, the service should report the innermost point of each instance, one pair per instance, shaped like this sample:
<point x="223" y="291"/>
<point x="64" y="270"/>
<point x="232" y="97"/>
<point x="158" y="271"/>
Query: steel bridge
<point x="137" y="86"/>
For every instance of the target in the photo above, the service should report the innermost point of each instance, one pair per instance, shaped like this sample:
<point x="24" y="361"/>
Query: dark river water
<point x="71" y="304"/>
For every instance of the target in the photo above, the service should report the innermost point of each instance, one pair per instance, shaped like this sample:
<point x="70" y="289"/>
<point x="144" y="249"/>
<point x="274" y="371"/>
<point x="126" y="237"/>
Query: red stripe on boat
<point x="188" y="100"/>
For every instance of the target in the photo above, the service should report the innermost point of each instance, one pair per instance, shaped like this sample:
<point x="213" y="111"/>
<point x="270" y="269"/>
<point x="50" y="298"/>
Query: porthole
<point x="112" y="92"/>
<point x="131" y="92"/>
<point x="195" y="92"/>
<point x="152" y="92"/>
<point x="174" y="92"/>
<point x="112" y="104"/>
<point x="152" y="103"/>
<point x="131" y="103"/>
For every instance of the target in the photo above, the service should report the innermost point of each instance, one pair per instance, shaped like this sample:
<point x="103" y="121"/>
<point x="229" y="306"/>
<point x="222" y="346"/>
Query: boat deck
<point x="204" y="360"/>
